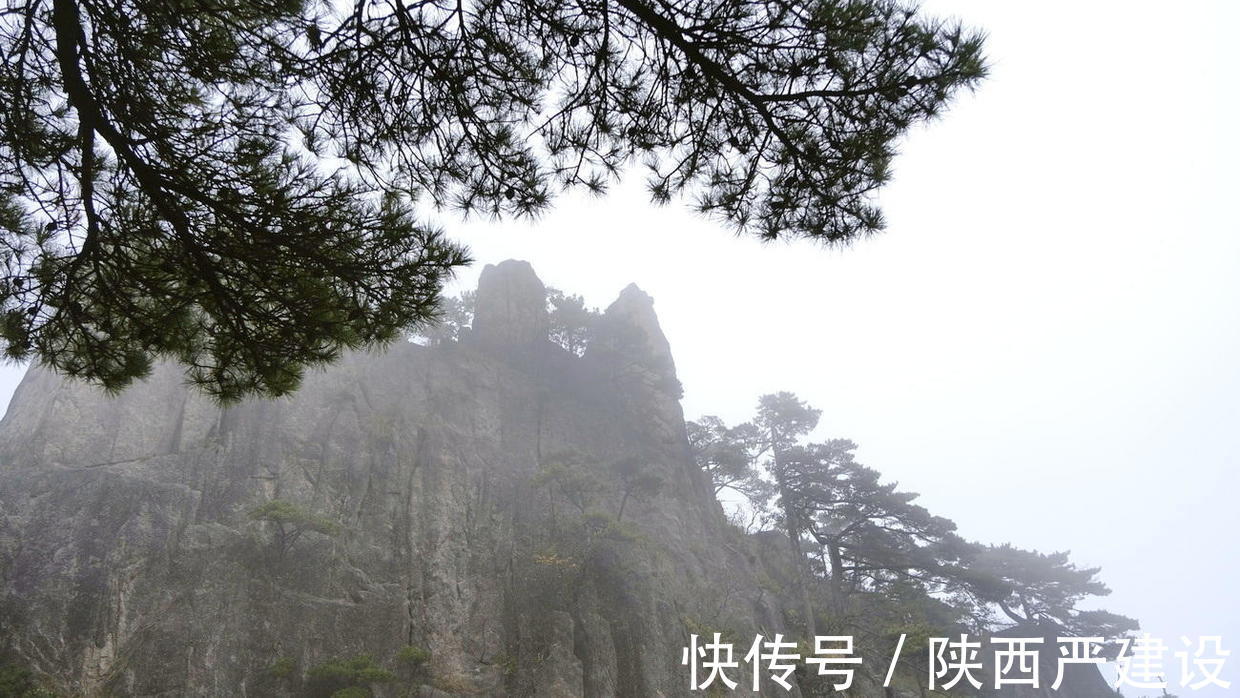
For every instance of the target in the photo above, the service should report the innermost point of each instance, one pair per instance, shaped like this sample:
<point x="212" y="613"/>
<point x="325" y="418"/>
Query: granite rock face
<point x="130" y="564"/>
<point x="511" y="310"/>
<point x="469" y="525"/>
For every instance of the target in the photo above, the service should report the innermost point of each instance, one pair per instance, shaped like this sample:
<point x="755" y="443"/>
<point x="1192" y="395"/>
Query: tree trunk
<point x="792" y="523"/>
<point x="802" y="575"/>
<point x="837" y="572"/>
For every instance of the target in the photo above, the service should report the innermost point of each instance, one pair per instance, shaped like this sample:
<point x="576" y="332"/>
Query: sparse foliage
<point x="290" y="521"/>
<point x="348" y="678"/>
<point x="282" y="667"/>
<point x="571" y="322"/>
<point x="1041" y="589"/>
<point x="413" y="656"/>
<point x="729" y="456"/>
<point x="639" y="477"/>
<point x="782" y="418"/>
<point x="869" y="540"/>
<point x="454" y="316"/>
<point x="18" y="681"/>
<point x="569" y="475"/>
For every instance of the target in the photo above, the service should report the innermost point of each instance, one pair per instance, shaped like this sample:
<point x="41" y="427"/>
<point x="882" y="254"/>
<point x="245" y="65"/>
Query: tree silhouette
<point x="873" y="535"/>
<point x="453" y="318"/>
<point x="232" y="184"/>
<point x="638" y="476"/>
<point x="781" y="420"/>
<point x="571" y="322"/>
<point x="1041" y="589"/>
<point x="881" y="553"/>
<point x="729" y="455"/>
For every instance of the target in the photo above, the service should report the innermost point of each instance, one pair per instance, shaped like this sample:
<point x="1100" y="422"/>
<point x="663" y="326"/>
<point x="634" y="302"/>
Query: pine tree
<point x="233" y="184"/>
<point x="1033" y="589"/>
<point x="872" y="534"/>
<point x="729" y="456"/>
<point x="783" y="418"/>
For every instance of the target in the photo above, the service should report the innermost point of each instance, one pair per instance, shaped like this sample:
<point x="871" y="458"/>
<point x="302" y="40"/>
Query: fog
<point x="1044" y="342"/>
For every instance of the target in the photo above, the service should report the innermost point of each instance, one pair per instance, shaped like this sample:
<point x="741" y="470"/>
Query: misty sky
<point x="1045" y="341"/>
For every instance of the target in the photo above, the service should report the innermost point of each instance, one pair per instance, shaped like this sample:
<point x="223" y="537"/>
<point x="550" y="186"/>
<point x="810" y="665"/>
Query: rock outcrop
<point x="131" y="562"/>
<point x="494" y="516"/>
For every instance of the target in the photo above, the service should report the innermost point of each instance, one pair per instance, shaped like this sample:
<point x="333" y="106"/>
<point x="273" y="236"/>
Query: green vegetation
<point x="244" y="203"/>
<point x="574" y="478"/>
<point x="693" y="626"/>
<point x="508" y="663"/>
<point x="590" y="544"/>
<point x="729" y="456"/>
<point x="453" y="317"/>
<point x="638" y="477"/>
<point x="347" y="678"/>
<point x="569" y="476"/>
<point x="290" y="521"/>
<point x="359" y="669"/>
<point x="875" y="561"/>
<point x="1030" y="588"/>
<point x="282" y="667"/>
<point x="571" y="322"/>
<point x="413" y="655"/>
<point x="18" y="681"/>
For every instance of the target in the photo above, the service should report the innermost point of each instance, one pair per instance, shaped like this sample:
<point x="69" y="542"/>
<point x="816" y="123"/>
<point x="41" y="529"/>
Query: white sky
<point x="1045" y="341"/>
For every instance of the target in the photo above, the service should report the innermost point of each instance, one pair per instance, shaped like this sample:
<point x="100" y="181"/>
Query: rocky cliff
<point x="433" y="540"/>
<point x="491" y="516"/>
